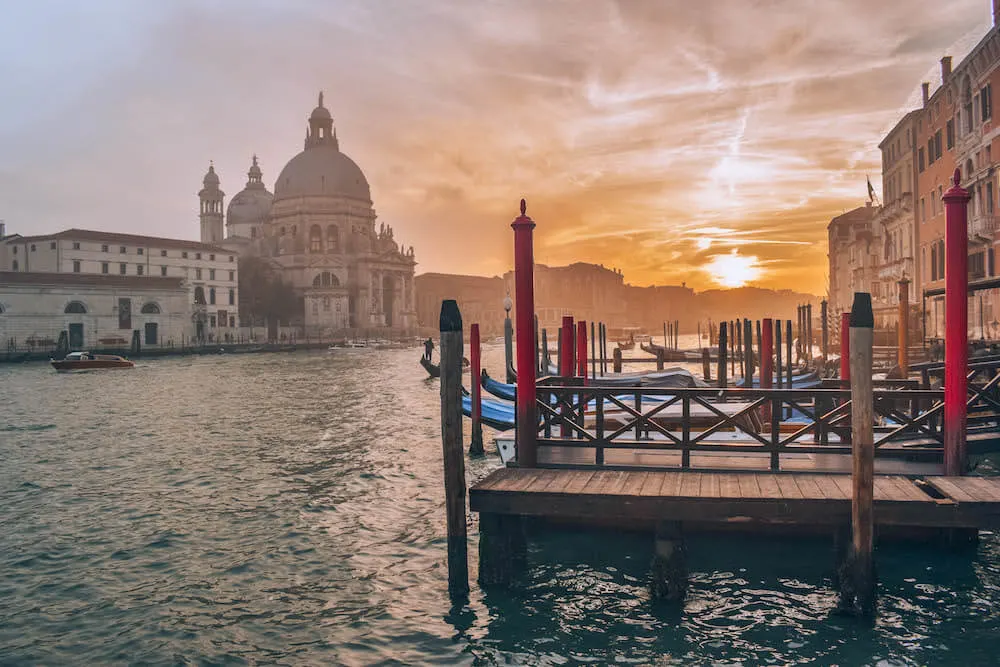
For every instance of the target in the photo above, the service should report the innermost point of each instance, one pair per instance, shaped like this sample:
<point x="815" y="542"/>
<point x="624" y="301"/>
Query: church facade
<point x="317" y="230"/>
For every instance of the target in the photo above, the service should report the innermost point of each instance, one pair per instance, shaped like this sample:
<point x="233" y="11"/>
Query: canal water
<point x="288" y="509"/>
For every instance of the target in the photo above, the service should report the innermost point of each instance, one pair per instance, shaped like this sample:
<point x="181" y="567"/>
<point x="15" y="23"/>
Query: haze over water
<point x="288" y="509"/>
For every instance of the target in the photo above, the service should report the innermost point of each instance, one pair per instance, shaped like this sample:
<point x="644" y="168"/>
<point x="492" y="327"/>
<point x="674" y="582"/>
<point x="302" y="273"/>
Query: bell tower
<point x="210" y="198"/>
<point x="321" y="131"/>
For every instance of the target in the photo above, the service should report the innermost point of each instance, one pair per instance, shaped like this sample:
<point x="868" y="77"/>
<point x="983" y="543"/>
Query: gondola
<point x="499" y="389"/>
<point x="435" y="371"/>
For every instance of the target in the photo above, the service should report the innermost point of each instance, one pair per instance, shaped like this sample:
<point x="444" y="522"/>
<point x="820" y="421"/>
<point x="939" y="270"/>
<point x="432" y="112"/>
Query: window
<point x="930" y="151"/>
<point x="163" y="253"/>
<point x="211" y="321"/>
<point x="253" y="235"/>
<point x="104" y="267"/>
<point x="990" y="262"/>
<point x="950" y="133"/>
<point x="315" y="239"/>
<point x="32" y="247"/>
<point x="52" y="246"/>
<point x="139" y="251"/>
<point x="923" y="210"/>
<point x="232" y="276"/>
<point x="223" y="318"/>
<point x="199" y="295"/>
<point x="989" y="197"/>
<point x="14" y="265"/>
<point x="197" y="274"/>
<point x="123" y="268"/>
<point x="197" y="255"/>
<point x="231" y="259"/>
<point x="326" y="304"/>
<point x="163" y="270"/>
<point x="122" y="250"/>
<point x="138" y="269"/>
<point x="920" y="159"/>
<point x="232" y="321"/>
<point x="211" y="296"/>
<point x="104" y="248"/>
<point x="232" y="297"/>
<point x="937" y="145"/>
<point x="75" y="308"/>
<point x="332" y="239"/>
<point x="934" y="275"/>
<point x="986" y="98"/>
<point x="184" y="255"/>
<point x="150" y="308"/>
<point x="941" y="259"/>
<point x="933" y="204"/>
<point x="15" y="250"/>
<point x="211" y="274"/>
<point x="76" y="245"/>
<point x="76" y="266"/>
<point x="212" y="257"/>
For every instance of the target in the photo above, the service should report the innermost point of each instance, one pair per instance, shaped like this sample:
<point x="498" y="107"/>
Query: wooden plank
<point x="559" y="484"/>
<point x="729" y="486"/>
<point x="709" y="486"/>
<point x="621" y="484"/>
<point x="768" y="485"/>
<point x="828" y="487"/>
<point x="635" y="483"/>
<point x="988" y="490"/>
<point x="542" y="480"/>
<point x="910" y="490"/>
<point x="843" y="482"/>
<point x="885" y="490"/>
<point x="956" y="493"/>
<point x="789" y="489"/>
<point x="579" y="481"/>
<point x="601" y="481"/>
<point x="690" y="485"/>
<point x="809" y="487"/>
<point x="671" y="485"/>
<point x="651" y="486"/>
<point x="494" y="479"/>
<point x="749" y="487"/>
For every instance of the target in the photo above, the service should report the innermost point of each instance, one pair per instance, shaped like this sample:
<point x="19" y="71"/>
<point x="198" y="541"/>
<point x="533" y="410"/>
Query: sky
<point x="705" y="142"/>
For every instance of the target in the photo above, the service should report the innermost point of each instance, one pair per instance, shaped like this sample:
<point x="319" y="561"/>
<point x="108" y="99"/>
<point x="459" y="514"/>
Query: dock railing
<point x="802" y="421"/>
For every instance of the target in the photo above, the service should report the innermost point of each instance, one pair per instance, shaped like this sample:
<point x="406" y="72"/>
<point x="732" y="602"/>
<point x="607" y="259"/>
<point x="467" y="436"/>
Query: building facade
<point x="95" y="310"/>
<point x="318" y="231"/>
<point x="853" y="256"/>
<point x="208" y="273"/>
<point x="480" y="299"/>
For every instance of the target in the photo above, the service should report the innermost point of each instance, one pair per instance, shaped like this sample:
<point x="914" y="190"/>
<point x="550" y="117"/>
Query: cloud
<point x="636" y="130"/>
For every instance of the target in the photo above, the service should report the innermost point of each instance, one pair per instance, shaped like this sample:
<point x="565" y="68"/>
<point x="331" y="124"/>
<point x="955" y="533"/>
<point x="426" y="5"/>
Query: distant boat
<point x="85" y="361"/>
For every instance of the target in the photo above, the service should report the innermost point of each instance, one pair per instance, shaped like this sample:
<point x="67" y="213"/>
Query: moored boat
<point x="85" y="361"/>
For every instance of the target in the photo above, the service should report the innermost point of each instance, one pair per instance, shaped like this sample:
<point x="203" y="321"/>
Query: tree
<point x="264" y="297"/>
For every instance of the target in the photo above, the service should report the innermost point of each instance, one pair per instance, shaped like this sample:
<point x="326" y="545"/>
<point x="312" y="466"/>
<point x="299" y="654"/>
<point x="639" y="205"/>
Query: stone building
<point x="318" y="231"/>
<point x="853" y="257"/>
<point x="208" y="273"/>
<point x="95" y="310"/>
<point x="588" y="292"/>
<point x="480" y="299"/>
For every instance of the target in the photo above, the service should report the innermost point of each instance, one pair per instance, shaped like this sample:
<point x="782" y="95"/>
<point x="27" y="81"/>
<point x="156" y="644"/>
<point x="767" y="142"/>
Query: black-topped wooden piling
<point x="706" y="364"/>
<point x="788" y="350"/>
<point x="858" y="576"/>
<point x="777" y="353"/>
<point x="747" y="353"/>
<point x="723" y="350"/>
<point x="825" y="327"/>
<point x="451" y="346"/>
<point x="593" y="352"/>
<point x="618" y="359"/>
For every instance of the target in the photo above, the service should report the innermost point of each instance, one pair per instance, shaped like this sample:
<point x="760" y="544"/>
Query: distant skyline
<point x="708" y="143"/>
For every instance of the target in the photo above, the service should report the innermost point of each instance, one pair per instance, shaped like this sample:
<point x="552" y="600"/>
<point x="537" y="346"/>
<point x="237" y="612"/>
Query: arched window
<point x="332" y="239"/>
<point x="326" y="279"/>
<point x="150" y="308"/>
<point x="333" y="280"/>
<point x="199" y="295"/>
<point x="316" y="281"/>
<point x="75" y="308"/>
<point x="967" y="103"/>
<point x="315" y="239"/>
<point x="211" y="296"/>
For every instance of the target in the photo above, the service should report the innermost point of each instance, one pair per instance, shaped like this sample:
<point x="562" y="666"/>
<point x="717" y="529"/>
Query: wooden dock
<point x="792" y="499"/>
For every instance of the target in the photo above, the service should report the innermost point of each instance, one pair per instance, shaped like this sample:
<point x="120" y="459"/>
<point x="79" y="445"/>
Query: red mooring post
<point x="956" y="333"/>
<point x="581" y="350"/>
<point x="566" y="360"/>
<point x="476" y="446"/>
<point x="766" y="361"/>
<point x="524" y="292"/>
<point x="845" y="348"/>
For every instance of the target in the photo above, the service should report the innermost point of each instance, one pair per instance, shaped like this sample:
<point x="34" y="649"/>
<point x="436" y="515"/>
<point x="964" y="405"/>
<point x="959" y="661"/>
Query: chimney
<point x="946" y="64"/>
<point x="996" y="12"/>
<point x="3" y="230"/>
<point x="926" y="88"/>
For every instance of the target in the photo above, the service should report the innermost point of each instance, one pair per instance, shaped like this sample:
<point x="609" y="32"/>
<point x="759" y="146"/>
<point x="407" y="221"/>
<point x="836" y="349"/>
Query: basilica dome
<point x="253" y="204"/>
<point x="321" y="170"/>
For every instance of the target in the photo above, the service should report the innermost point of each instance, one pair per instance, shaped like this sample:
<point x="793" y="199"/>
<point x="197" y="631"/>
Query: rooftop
<point x="114" y="237"/>
<point x="89" y="280"/>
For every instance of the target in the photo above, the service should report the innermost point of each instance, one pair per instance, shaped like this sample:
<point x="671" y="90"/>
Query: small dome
<point x="211" y="179"/>
<point x="322" y="170"/>
<point x="251" y="206"/>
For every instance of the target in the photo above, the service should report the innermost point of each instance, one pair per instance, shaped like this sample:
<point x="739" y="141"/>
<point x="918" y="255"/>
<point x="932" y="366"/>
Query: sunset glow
<point x="733" y="270"/>
<point x="760" y="118"/>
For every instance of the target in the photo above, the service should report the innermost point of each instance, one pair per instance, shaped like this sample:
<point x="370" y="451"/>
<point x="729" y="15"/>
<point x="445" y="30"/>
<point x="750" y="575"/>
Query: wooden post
<point x="699" y="334"/>
<point x="593" y="355"/>
<point x="566" y="347"/>
<point x="559" y="350"/>
<point x="788" y="350"/>
<point x="508" y="341"/>
<point x="677" y="335"/>
<point x="747" y="353"/>
<point x="766" y="362"/>
<point x="706" y="364"/>
<point x="826" y="331"/>
<point x="660" y="352"/>
<point x="734" y="336"/>
<point x="777" y="352"/>
<point x="956" y="332"/>
<point x="546" y="357"/>
<point x="524" y="293"/>
<point x="581" y="350"/>
<point x="757" y="364"/>
<point x="451" y="347"/>
<point x="739" y="348"/>
<point x="845" y="346"/>
<point x="723" y="349"/>
<point x="604" y="349"/>
<point x="903" y="333"/>
<point x="809" y="334"/>
<point x="476" y="446"/>
<point x="618" y="359"/>
<point x="665" y="343"/>
<point x="858" y="587"/>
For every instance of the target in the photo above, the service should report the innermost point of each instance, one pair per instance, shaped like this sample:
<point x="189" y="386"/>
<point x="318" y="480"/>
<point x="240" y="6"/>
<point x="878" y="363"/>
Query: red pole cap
<point x="523" y="221"/>
<point x="956" y="193"/>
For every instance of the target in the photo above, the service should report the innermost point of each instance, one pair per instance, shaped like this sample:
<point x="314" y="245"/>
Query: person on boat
<point x="428" y="349"/>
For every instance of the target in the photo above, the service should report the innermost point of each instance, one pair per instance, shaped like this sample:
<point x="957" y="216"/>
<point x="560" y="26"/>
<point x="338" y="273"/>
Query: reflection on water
<point x="287" y="508"/>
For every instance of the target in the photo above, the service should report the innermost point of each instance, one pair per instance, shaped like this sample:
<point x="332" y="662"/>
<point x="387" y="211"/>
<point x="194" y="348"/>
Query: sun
<point x="733" y="270"/>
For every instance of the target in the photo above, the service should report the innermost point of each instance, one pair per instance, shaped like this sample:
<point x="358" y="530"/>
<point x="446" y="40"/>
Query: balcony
<point x="983" y="228"/>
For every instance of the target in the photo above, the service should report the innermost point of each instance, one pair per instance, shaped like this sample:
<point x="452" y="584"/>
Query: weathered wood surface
<point x="720" y="497"/>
